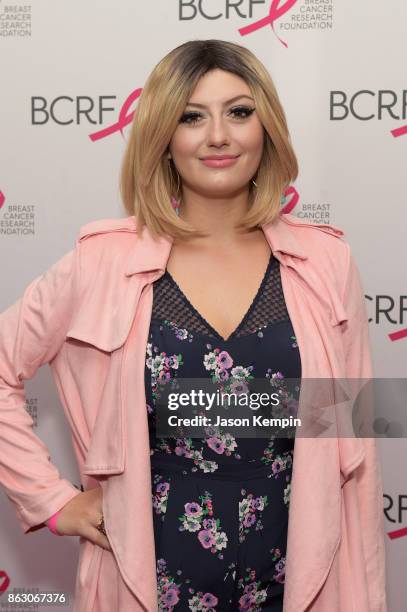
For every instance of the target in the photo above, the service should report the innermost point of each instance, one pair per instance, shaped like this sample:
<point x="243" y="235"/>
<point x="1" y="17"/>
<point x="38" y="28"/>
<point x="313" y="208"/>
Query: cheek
<point x="184" y="144"/>
<point x="254" y="138"/>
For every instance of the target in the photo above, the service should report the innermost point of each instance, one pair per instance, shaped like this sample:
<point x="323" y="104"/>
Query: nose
<point x="218" y="132"/>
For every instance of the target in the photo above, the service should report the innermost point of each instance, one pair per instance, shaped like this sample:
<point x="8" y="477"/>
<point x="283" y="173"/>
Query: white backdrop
<point x="339" y="68"/>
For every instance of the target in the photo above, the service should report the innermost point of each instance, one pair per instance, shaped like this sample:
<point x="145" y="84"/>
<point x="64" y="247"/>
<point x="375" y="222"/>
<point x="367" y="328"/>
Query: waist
<point x="241" y="470"/>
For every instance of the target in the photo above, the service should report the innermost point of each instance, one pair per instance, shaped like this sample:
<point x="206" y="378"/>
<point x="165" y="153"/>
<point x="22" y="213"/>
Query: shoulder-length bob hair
<point x="149" y="179"/>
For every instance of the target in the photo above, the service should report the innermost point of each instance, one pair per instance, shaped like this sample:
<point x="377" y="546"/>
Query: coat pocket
<point x="97" y="375"/>
<point x="106" y="454"/>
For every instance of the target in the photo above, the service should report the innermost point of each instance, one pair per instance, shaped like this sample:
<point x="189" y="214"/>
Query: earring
<point x="178" y="183"/>
<point x="254" y="182"/>
<point x="175" y="203"/>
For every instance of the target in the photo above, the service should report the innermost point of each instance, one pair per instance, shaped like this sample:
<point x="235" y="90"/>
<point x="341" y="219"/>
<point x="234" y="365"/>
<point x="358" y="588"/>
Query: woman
<point x="213" y="522"/>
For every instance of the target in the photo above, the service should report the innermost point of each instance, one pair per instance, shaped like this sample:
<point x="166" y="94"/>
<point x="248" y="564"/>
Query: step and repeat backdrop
<point x="71" y="73"/>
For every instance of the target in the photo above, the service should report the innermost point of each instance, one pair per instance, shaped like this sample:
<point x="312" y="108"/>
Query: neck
<point x="216" y="217"/>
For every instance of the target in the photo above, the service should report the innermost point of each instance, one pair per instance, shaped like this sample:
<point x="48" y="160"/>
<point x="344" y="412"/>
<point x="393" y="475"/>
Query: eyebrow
<point x="227" y="101"/>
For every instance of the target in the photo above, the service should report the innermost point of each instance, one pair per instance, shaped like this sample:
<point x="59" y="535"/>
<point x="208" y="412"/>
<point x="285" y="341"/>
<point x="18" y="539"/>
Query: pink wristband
<point x="51" y="523"/>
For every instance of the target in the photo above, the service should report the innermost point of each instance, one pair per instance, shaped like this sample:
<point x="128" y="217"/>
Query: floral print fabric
<point x="220" y="543"/>
<point x="220" y="504"/>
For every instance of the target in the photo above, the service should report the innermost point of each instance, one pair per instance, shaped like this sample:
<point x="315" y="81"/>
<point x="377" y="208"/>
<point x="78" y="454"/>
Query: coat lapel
<point x="113" y="286"/>
<point x="284" y="244"/>
<point x="314" y="531"/>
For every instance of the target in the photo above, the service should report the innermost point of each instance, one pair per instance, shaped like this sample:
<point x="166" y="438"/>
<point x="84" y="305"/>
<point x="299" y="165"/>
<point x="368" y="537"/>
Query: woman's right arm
<point x="32" y="331"/>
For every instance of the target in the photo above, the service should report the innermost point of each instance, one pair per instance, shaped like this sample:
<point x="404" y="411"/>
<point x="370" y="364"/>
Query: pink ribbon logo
<point x="4" y="581"/>
<point x="275" y="13"/>
<point x="402" y="333"/>
<point x="398" y="533"/>
<point x="124" y="118"/>
<point x="2" y="198"/>
<point x="292" y="203"/>
<point x="399" y="131"/>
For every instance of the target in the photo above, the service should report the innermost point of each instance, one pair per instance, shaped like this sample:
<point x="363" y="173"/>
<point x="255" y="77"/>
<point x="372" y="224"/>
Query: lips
<point x="218" y="157"/>
<point x="219" y="162"/>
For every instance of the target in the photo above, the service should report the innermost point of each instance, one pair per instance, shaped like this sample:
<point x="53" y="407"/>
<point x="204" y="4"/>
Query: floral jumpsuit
<point x="220" y="504"/>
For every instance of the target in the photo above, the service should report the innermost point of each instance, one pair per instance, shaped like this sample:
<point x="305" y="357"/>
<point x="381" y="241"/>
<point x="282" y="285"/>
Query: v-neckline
<point x="245" y="316"/>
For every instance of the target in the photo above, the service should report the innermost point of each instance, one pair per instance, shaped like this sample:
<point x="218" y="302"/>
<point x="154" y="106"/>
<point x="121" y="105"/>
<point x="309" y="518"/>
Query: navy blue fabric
<point x="220" y="503"/>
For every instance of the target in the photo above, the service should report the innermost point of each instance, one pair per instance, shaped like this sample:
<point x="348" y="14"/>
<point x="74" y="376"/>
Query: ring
<point x="101" y="526"/>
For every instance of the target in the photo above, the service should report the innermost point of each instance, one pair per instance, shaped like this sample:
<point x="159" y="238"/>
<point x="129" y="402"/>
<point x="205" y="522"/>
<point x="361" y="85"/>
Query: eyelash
<point x="195" y="115"/>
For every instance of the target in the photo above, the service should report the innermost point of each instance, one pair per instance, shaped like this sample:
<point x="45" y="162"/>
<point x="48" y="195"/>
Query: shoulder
<point x="318" y="239"/>
<point x="105" y="239"/>
<point x="299" y="225"/>
<point x="328" y="252"/>
<point x="108" y="226"/>
<point x="105" y="245"/>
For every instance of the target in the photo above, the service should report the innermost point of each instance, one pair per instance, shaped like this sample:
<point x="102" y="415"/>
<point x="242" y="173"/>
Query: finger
<point x="107" y="543"/>
<point x="99" y="538"/>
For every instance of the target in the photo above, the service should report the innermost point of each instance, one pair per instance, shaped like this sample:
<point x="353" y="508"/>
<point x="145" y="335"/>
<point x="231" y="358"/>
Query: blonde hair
<point x="149" y="179"/>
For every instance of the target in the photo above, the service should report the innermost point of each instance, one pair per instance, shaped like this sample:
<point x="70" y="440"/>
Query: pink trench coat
<point x="88" y="317"/>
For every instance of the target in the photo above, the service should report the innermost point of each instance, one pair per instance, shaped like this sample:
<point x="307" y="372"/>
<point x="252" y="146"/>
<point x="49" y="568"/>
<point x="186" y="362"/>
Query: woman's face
<point x="213" y="125"/>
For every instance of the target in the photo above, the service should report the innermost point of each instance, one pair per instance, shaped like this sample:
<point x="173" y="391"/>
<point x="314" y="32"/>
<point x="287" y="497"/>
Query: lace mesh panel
<point x="267" y="307"/>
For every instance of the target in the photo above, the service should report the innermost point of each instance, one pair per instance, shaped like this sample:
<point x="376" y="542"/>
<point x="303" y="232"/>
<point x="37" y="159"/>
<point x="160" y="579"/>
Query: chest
<point x="220" y="288"/>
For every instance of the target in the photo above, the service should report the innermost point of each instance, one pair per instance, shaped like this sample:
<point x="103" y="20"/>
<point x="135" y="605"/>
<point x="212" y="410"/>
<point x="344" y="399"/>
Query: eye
<point x="193" y="116"/>
<point x="243" y="109"/>
<point x="243" y="112"/>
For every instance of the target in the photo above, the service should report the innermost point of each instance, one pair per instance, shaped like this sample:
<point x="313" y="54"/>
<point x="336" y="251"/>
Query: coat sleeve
<point x="32" y="330"/>
<point x="367" y="475"/>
